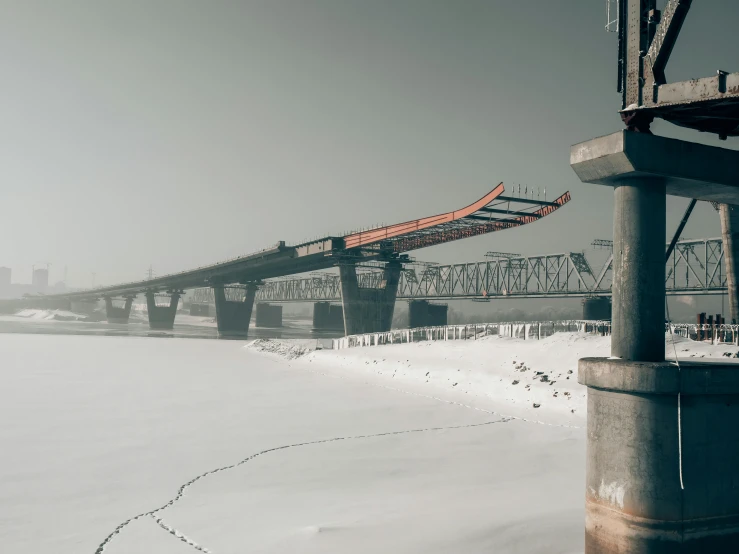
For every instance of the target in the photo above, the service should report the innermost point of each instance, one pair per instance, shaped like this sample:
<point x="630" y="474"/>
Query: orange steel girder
<point x="410" y="236"/>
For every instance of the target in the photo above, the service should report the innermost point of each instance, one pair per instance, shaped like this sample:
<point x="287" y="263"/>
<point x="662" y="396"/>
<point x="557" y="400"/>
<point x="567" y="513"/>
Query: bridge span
<point x="367" y="307"/>
<point x="696" y="267"/>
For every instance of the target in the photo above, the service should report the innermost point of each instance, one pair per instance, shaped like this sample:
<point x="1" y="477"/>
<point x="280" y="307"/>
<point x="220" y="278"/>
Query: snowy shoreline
<point x="531" y="380"/>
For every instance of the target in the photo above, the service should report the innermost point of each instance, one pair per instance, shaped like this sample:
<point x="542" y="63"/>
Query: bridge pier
<point x="729" y="214"/>
<point x="268" y="315"/>
<point x="659" y="434"/>
<point x="233" y="316"/>
<point x="422" y="313"/>
<point x="118" y="314"/>
<point x="596" y="308"/>
<point x="368" y="310"/>
<point x="327" y="316"/>
<point x="162" y="317"/>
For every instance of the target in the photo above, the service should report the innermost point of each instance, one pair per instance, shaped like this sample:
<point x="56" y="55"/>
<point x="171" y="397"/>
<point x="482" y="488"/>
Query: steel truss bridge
<point x="695" y="267"/>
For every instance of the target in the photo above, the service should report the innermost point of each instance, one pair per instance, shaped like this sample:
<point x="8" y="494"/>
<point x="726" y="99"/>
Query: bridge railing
<point x="473" y="331"/>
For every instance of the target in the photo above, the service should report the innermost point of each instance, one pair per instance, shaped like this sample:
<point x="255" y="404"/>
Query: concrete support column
<point x="729" y="215"/>
<point x="421" y="313"/>
<point x="639" y="271"/>
<point x="368" y="310"/>
<point x="118" y="314"/>
<point x="327" y="316"/>
<point x="162" y="317"/>
<point x="596" y="308"/>
<point x="654" y="426"/>
<point x="268" y="315"/>
<point x="233" y="316"/>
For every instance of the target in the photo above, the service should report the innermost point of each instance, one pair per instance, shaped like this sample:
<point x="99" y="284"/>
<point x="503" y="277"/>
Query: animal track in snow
<point x="181" y="491"/>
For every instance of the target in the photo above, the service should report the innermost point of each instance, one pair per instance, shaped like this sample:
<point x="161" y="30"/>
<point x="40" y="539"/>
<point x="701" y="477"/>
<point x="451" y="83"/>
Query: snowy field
<point x="128" y="444"/>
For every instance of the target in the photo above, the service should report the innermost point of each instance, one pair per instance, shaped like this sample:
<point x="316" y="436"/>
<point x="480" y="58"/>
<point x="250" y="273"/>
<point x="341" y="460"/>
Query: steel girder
<point x="695" y="267"/>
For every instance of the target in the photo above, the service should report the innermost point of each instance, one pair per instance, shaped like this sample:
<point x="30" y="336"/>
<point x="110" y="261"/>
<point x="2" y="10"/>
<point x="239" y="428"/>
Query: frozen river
<point x="96" y="430"/>
<point x="186" y="326"/>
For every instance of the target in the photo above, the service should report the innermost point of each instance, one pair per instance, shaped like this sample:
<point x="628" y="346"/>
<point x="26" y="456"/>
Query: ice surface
<point x="316" y="453"/>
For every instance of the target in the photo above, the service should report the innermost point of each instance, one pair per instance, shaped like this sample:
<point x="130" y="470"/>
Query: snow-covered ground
<point x="128" y="444"/>
<point x="534" y="380"/>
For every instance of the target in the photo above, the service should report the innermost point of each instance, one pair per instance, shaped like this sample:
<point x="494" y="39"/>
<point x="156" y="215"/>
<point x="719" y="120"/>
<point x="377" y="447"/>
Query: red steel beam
<point x="406" y="244"/>
<point x="365" y="238"/>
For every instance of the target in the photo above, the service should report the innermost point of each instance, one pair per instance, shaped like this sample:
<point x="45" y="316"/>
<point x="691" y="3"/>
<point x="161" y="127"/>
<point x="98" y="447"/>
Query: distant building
<point x="4" y="277"/>
<point x="40" y="280"/>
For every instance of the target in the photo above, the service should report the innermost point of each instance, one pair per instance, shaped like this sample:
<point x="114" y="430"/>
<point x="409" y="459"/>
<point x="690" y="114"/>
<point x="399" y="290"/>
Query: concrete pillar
<point x="162" y="317"/>
<point x="268" y="315"/>
<point x="422" y="313"/>
<point x="328" y="317"/>
<point x="597" y="308"/>
<point x="638" y="320"/>
<point x="233" y="316"/>
<point x="729" y="215"/>
<point x="118" y="314"/>
<point x="662" y="438"/>
<point x="368" y="310"/>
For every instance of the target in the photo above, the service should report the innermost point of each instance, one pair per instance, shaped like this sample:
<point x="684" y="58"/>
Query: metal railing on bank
<point x="715" y="334"/>
<point x="526" y="331"/>
<point x="704" y="332"/>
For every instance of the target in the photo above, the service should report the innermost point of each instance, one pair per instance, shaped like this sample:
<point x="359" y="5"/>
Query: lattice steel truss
<point x="696" y="267"/>
<point x="234" y="293"/>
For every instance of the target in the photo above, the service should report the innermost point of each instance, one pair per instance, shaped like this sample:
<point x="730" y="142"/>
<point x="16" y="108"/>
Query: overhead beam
<point x="507" y="212"/>
<point x="527" y="201"/>
<point x="680" y="228"/>
<point x="493" y="220"/>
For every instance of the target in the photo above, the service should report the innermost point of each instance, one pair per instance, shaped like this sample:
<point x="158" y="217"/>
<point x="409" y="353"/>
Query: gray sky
<point x="177" y="133"/>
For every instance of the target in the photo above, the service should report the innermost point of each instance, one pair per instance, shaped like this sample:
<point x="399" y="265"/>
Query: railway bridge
<point x="694" y="267"/>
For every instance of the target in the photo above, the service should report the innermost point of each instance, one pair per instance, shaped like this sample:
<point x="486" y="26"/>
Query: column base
<point x="609" y="532"/>
<point x="161" y="318"/>
<point x="118" y="320"/>
<point x="328" y="317"/>
<point x="118" y="314"/>
<point x="233" y="316"/>
<point x="368" y="310"/>
<point x="268" y="315"/>
<point x="634" y="501"/>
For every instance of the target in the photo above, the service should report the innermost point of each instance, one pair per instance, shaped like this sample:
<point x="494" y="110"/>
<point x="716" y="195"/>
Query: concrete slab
<point x="688" y="169"/>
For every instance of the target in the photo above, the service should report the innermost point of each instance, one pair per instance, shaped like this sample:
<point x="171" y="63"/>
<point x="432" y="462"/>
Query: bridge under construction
<point x="367" y="307"/>
<point x="694" y="267"/>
